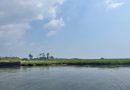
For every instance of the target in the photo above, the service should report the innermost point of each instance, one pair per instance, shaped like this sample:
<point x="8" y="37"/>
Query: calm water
<point x="65" y="78"/>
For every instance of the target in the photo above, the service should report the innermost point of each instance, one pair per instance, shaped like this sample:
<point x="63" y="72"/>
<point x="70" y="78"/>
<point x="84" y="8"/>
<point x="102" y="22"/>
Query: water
<point x="65" y="78"/>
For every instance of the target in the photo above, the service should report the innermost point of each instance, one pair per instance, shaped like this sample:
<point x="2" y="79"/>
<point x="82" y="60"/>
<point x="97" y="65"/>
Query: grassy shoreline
<point x="96" y="62"/>
<point x="78" y="62"/>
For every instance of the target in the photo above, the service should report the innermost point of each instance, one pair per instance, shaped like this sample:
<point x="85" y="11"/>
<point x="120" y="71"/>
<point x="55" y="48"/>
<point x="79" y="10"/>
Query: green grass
<point x="77" y="62"/>
<point x="70" y="62"/>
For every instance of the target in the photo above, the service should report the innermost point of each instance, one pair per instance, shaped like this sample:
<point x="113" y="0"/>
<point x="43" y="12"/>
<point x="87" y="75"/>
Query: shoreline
<point x="69" y="62"/>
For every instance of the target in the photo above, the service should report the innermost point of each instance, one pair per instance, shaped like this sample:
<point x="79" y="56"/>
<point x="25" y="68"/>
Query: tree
<point x="25" y="59"/>
<point x="30" y="56"/>
<point x="51" y="57"/>
<point x="101" y="58"/>
<point x="42" y="56"/>
<point x="48" y="54"/>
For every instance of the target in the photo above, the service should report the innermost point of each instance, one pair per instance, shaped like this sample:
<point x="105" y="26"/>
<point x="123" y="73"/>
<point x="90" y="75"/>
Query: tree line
<point x="42" y="56"/>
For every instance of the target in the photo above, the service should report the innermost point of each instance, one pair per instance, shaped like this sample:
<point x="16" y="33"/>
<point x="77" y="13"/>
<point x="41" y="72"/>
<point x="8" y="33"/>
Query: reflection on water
<point x="65" y="78"/>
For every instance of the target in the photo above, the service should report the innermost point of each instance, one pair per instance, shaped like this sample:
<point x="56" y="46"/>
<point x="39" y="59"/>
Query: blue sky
<point x="65" y="28"/>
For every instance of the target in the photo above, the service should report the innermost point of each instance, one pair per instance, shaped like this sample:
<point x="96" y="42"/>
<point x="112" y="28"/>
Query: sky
<point x="65" y="28"/>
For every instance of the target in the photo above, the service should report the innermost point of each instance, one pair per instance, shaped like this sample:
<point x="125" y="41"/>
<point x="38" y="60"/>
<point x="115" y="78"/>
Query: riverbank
<point x="9" y="64"/>
<point x="77" y="62"/>
<point x="93" y="62"/>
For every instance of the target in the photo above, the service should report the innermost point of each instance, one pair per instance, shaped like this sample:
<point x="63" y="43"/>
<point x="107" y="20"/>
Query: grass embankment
<point x="65" y="62"/>
<point x="7" y="63"/>
<point x="77" y="62"/>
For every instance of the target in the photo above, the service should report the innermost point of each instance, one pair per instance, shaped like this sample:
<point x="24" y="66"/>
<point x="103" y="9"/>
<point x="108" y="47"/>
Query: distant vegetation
<point x="42" y="56"/>
<point x="47" y="59"/>
<point x="77" y="62"/>
<point x="9" y="59"/>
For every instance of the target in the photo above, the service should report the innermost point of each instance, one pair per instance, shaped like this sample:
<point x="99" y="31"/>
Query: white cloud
<point x="54" y="24"/>
<point x="13" y="31"/>
<point x="16" y="16"/>
<point x="111" y="4"/>
<point x="24" y="11"/>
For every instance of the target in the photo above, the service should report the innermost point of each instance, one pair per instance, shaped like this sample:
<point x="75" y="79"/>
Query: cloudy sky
<point x="65" y="28"/>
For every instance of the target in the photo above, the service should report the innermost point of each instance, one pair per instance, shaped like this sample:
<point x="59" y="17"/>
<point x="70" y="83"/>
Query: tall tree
<point x="42" y="56"/>
<point x="48" y="54"/>
<point x="30" y="56"/>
